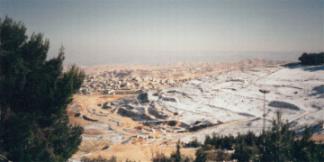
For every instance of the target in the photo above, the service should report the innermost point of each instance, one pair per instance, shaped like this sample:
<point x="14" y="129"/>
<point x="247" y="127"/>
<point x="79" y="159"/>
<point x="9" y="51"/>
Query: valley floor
<point x="228" y="102"/>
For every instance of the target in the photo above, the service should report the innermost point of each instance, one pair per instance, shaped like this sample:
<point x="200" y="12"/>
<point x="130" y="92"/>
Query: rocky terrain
<point x="111" y="80"/>
<point x="222" y="101"/>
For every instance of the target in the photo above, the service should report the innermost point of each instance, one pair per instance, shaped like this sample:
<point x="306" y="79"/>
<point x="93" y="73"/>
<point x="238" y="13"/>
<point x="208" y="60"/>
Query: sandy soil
<point x="97" y="142"/>
<point x="238" y="105"/>
<point x="139" y="152"/>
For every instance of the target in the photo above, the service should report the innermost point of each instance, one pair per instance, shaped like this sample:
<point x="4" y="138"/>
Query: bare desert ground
<point x="147" y="111"/>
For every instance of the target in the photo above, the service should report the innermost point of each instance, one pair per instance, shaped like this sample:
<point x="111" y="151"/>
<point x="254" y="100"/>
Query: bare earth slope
<point x="135" y="126"/>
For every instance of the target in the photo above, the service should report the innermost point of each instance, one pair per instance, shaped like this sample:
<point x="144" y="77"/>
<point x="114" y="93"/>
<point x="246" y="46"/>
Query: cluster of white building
<point x="127" y="80"/>
<point x="123" y="82"/>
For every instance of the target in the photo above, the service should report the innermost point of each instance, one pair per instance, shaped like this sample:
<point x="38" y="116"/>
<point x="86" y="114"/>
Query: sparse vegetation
<point x="194" y="143"/>
<point x="99" y="159"/>
<point x="34" y="94"/>
<point x="143" y="97"/>
<point x="175" y="157"/>
<point x="280" y="143"/>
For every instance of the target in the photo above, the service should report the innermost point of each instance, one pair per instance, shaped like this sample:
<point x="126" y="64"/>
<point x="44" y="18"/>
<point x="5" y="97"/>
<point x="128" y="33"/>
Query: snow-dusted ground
<point x="230" y="100"/>
<point x="234" y="99"/>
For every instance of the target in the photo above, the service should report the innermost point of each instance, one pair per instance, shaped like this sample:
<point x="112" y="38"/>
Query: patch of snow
<point x="234" y="98"/>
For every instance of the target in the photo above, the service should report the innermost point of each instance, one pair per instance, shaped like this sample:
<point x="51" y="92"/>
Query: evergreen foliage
<point x="34" y="94"/>
<point x="280" y="143"/>
<point x="99" y="159"/>
<point x="194" y="143"/>
<point x="175" y="156"/>
<point x="312" y="58"/>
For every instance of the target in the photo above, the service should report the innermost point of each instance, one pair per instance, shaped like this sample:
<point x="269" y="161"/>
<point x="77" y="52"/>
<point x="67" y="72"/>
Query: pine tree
<point x="201" y="156"/>
<point x="34" y="94"/>
<point x="280" y="143"/>
<point x="177" y="155"/>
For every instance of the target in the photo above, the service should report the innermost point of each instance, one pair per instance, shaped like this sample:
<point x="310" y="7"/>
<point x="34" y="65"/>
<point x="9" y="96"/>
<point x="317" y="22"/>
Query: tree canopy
<point x="34" y="94"/>
<point x="312" y="58"/>
<point x="280" y="143"/>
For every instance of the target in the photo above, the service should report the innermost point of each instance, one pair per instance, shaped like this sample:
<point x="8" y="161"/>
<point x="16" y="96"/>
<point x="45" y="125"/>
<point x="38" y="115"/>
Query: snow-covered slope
<point x="234" y="100"/>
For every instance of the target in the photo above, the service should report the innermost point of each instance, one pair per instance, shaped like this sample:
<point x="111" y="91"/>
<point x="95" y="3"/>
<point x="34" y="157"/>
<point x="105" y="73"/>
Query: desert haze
<point x="162" y="81"/>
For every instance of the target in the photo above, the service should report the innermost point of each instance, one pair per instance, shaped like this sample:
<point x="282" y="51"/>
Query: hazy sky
<point x="102" y="31"/>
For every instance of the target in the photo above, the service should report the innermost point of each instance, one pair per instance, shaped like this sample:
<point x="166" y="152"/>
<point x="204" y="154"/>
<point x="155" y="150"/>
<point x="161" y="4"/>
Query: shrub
<point x="99" y="159"/>
<point x="312" y="58"/>
<point x="280" y="143"/>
